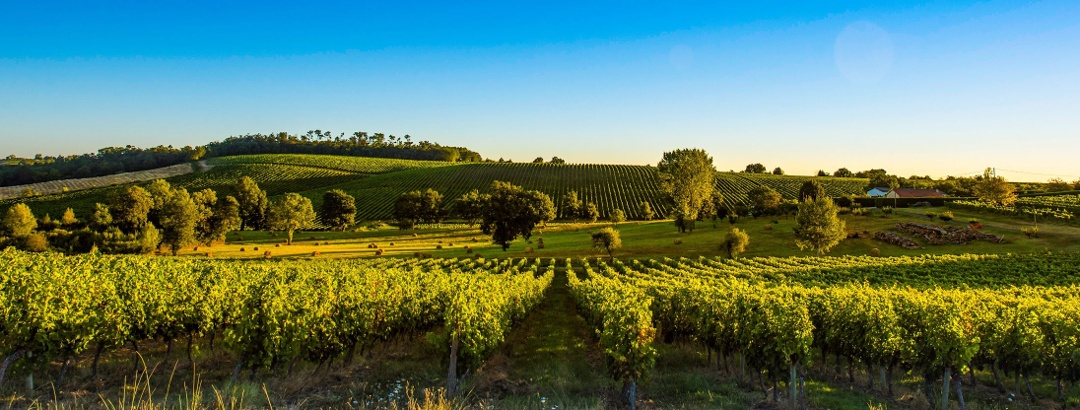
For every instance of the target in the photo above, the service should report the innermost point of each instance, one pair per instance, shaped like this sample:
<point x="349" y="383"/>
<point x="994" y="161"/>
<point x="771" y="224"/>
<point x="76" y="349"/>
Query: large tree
<point x="130" y="208"/>
<point x="19" y="221"/>
<point x="178" y="217"/>
<point x="160" y="191"/>
<point x="570" y="206"/>
<point x="766" y="200"/>
<point x="253" y="203"/>
<point x="470" y="207"/>
<point x="416" y="207"/>
<point x="995" y="189"/>
<point x="101" y="218"/>
<point x="512" y="212"/>
<point x="607" y="239"/>
<point x="688" y="177"/>
<point x="843" y="173"/>
<point x="755" y="168"/>
<point x="216" y="217"/>
<point x="817" y="225"/>
<point x="811" y="189"/>
<point x="338" y="209"/>
<point x="290" y="213"/>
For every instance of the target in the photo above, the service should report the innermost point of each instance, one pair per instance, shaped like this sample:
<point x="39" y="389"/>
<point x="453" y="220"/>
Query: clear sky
<point x="915" y="88"/>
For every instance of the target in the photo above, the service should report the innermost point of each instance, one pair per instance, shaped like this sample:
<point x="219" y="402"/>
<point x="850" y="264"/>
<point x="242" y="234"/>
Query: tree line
<point x="112" y="160"/>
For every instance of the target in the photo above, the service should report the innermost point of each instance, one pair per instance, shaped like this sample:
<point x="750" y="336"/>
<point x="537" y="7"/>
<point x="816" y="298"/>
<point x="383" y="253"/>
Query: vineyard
<point x="79" y="184"/>
<point x="377" y="182"/>
<point x="1060" y="207"/>
<point x="267" y="314"/>
<point x="780" y="317"/>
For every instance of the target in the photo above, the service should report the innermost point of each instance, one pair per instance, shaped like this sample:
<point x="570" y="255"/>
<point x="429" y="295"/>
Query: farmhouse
<point x="914" y="193"/>
<point x="877" y="191"/>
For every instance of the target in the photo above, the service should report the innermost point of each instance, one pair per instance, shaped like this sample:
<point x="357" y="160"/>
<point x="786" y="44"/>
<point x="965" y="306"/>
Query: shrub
<point x="931" y="215"/>
<point x="36" y="242"/>
<point x="678" y="241"/>
<point x="733" y="218"/>
<point x="875" y="252"/>
<point x="946" y="216"/>
<point x="528" y="249"/>
<point x="735" y="242"/>
<point x="886" y="211"/>
<point x="1031" y="231"/>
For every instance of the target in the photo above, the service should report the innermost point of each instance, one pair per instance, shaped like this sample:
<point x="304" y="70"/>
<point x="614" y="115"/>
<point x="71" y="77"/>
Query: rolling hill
<point x="377" y="182"/>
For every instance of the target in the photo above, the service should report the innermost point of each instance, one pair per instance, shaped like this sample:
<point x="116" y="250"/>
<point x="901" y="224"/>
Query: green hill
<point x="377" y="182"/>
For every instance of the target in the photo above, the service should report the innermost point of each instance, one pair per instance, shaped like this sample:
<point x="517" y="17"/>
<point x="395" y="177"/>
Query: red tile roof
<point x="917" y="193"/>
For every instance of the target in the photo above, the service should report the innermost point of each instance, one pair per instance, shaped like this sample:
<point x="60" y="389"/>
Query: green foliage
<point x="470" y="207"/>
<point x="607" y="239"/>
<point x="1030" y="231"/>
<point x="417" y="207"/>
<point x="19" y="221"/>
<point x="68" y="219"/>
<point x="512" y="211"/>
<point x="589" y="212"/>
<point x="811" y="189"/>
<point x="946" y="216"/>
<point x="995" y="190"/>
<point x="822" y="173"/>
<point x="766" y="201"/>
<point x="290" y="213"/>
<point x="338" y="209"/>
<point x="646" y="211"/>
<point x="777" y="171"/>
<point x="736" y="241"/>
<point x="818" y="226"/>
<point x="178" y="217"/>
<point x="617" y="216"/>
<point x="253" y="203"/>
<point x="843" y="173"/>
<point x="131" y="207"/>
<point x="688" y="178"/>
<point x="216" y="217"/>
<point x="570" y="206"/>
<point x="755" y="168"/>
<point x="36" y="242"/>
<point x="101" y="218"/>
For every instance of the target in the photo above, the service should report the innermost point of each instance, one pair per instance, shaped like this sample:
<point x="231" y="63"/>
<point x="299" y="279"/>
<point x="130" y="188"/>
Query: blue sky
<point x="915" y="88"/>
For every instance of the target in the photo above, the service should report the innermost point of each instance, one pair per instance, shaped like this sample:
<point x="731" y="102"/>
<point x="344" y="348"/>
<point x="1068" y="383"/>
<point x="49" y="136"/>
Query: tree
<point x="291" y="213"/>
<point x="538" y="160"/>
<point x="416" y="207"/>
<point x="130" y="208"/>
<point x="589" y="212"/>
<point x="811" y="189"/>
<point x="557" y="160"/>
<point x="822" y="173"/>
<point x="735" y="242"/>
<point x="646" y="211"/>
<point x="777" y="171"/>
<point x="570" y="208"/>
<point x="766" y="200"/>
<point x="160" y="190"/>
<point x="19" y="221"/>
<point x="843" y="173"/>
<point x="338" y="209"/>
<point x="216" y="217"/>
<point x="101" y="218"/>
<point x="1057" y="184"/>
<point x="995" y="189"/>
<point x="617" y="216"/>
<point x="69" y="220"/>
<point x="470" y="207"/>
<point x="714" y="207"/>
<point x="818" y="226"/>
<point x="178" y="217"/>
<point x="607" y="239"/>
<point x="755" y="169"/>
<point x="512" y="211"/>
<point x="688" y="177"/>
<point x="253" y="203"/>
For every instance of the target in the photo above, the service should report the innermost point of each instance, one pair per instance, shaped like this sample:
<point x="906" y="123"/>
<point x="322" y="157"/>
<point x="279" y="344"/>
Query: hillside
<point x="79" y="184"/>
<point x="377" y="182"/>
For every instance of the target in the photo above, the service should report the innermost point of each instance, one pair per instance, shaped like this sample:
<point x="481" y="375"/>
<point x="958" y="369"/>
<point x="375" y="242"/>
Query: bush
<point x="946" y="216"/>
<point x="678" y="241"/>
<point x="528" y="249"/>
<point x="886" y="211"/>
<point x="36" y="242"/>
<point x="735" y="242"/>
<point x="931" y="215"/>
<point x="1031" y="231"/>
<point x="875" y="252"/>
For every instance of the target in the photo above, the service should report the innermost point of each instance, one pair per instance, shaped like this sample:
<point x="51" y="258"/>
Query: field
<point x="368" y="317"/>
<point x="377" y="182"/>
<point x="71" y="185"/>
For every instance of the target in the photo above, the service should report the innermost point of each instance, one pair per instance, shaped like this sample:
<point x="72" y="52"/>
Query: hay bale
<point x="315" y="254"/>
<point x="256" y="249"/>
<point x="379" y="252"/>
<point x="266" y="254"/>
<point x="528" y="249"/>
<point x="438" y="246"/>
<point x="242" y="249"/>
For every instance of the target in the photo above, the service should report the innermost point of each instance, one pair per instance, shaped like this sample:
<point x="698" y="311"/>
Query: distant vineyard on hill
<point x="79" y="184"/>
<point x="377" y="182"/>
